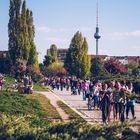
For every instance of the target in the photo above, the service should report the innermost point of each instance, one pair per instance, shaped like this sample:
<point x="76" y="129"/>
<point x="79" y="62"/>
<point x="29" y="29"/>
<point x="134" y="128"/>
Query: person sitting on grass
<point x="2" y="82"/>
<point x="30" y="86"/>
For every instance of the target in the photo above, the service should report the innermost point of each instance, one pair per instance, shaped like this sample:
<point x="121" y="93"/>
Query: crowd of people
<point x="25" y="85"/>
<point x="115" y="98"/>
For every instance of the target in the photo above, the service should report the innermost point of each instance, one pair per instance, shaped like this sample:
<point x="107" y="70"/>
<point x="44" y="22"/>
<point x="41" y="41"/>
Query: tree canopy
<point x="21" y="33"/>
<point x="97" y="68"/>
<point x="77" y="59"/>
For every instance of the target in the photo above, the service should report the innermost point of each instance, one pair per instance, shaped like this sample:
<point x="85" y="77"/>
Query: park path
<point x="76" y="103"/>
<point x="53" y="100"/>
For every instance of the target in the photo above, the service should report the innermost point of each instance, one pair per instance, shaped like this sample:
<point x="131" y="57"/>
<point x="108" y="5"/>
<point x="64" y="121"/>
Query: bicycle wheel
<point x="89" y="104"/>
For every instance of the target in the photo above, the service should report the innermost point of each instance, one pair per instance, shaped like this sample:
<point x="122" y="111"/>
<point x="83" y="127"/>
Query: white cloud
<point x="46" y="29"/>
<point x="122" y="35"/>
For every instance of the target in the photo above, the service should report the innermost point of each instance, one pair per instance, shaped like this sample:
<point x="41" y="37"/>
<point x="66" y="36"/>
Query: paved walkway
<point x="80" y="106"/>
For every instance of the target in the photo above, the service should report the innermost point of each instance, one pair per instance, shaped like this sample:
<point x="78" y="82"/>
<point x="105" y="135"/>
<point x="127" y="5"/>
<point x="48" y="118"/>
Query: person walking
<point x="105" y="104"/>
<point x="130" y="101"/>
<point x="111" y="90"/>
<point x="85" y="89"/>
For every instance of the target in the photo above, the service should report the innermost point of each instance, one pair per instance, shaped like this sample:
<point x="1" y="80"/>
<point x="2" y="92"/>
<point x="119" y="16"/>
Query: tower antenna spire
<point x="97" y="12"/>
<point x="96" y="35"/>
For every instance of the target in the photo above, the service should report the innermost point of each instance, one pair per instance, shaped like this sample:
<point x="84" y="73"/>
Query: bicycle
<point x="90" y="102"/>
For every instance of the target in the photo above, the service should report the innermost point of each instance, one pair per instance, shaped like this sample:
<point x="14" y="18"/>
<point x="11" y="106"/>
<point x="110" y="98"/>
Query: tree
<point x="51" y="56"/>
<point x="26" y="45"/>
<point x="130" y="67"/>
<point x="33" y="58"/>
<point x="53" y="52"/>
<point x="77" y="60"/>
<point x="85" y="60"/>
<point x="21" y="33"/>
<point x="42" y="68"/>
<point x="97" y="68"/>
<point x="136" y="71"/>
<point x="48" y="60"/>
<point x="14" y="29"/>
<point x="113" y="66"/>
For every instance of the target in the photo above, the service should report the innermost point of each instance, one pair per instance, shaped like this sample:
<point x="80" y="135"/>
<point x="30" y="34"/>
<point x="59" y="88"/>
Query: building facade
<point x="5" y="62"/>
<point x="61" y="54"/>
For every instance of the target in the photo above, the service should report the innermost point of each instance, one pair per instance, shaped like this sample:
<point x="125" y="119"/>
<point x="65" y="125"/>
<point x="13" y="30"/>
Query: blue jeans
<point x="96" y="100"/>
<point x="84" y="95"/>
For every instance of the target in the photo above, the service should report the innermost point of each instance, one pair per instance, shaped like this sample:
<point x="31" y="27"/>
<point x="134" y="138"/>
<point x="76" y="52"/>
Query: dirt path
<point x="53" y="100"/>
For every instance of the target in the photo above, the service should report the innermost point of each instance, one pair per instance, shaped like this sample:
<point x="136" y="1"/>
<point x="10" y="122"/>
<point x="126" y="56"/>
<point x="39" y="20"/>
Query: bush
<point x="56" y="69"/>
<point x="113" y="66"/>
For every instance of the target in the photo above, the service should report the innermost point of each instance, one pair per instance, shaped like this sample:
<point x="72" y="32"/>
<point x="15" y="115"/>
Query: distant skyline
<point x="56" y="21"/>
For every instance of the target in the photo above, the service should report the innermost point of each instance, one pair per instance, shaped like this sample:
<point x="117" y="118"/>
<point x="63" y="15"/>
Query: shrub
<point x="56" y="69"/>
<point x="113" y="66"/>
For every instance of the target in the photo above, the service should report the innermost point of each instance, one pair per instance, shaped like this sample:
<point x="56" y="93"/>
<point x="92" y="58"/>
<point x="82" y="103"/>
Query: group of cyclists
<point x="115" y="98"/>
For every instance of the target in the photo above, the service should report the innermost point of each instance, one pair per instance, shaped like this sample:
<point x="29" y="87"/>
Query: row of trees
<point x="79" y="63"/>
<point x="77" y="60"/>
<point x="21" y="33"/>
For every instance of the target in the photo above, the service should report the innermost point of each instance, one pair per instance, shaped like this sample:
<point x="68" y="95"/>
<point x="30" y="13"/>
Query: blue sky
<point x="56" y="22"/>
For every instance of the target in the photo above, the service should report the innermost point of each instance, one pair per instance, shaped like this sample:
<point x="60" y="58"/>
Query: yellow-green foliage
<point x="56" y="68"/>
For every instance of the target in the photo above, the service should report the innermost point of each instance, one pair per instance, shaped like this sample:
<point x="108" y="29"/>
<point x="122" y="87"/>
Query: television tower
<point x="97" y="35"/>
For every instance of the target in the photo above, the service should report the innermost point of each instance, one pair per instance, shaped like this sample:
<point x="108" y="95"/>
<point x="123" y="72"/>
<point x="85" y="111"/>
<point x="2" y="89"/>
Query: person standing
<point x="85" y="89"/>
<point x="111" y="90"/>
<point x="105" y="104"/>
<point x="96" y="95"/>
<point x="62" y="84"/>
<point x="116" y="98"/>
<point x="130" y="101"/>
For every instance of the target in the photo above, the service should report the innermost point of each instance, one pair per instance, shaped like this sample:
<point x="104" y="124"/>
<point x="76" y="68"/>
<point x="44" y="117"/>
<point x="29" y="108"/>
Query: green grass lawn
<point x="34" y="105"/>
<point x="18" y="104"/>
<point x="46" y="105"/>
